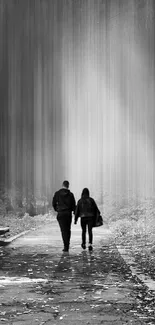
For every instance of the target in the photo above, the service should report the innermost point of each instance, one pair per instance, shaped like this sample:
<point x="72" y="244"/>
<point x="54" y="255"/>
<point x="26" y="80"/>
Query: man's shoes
<point x="65" y="249"/>
<point x="90" y="248"/>
<point x="83" y="246"/>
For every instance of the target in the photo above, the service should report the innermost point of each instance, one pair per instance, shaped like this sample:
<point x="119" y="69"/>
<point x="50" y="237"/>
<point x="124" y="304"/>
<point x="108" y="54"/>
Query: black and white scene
<point x="77" y="162"/>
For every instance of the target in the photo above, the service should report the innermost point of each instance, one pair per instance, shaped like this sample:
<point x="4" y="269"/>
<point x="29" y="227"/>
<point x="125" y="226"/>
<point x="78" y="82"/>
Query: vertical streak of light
<point x="84" y="91"/>
<point x="12" y="68"/>
<point x="4" y="112"/>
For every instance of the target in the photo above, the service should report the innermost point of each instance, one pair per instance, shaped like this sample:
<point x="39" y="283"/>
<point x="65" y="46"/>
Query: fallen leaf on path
<point x="3" y="313"/>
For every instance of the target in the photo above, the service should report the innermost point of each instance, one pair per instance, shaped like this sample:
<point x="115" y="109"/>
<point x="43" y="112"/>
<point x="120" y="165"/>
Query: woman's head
<point x="85" y="192"/>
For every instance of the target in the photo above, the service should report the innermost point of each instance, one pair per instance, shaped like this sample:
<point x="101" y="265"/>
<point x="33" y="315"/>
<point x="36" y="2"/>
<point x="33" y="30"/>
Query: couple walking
<point x="86" y="209"/>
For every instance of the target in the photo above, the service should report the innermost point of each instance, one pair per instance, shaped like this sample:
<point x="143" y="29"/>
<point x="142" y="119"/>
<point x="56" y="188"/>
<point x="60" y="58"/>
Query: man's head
<point x="65" y="184"/>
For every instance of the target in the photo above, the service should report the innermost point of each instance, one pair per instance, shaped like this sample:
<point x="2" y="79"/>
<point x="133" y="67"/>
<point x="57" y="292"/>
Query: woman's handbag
<point x="98" y="221"/>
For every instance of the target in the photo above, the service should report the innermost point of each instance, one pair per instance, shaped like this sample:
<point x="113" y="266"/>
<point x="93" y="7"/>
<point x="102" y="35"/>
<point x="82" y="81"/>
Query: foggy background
<point x="77" y="96"/>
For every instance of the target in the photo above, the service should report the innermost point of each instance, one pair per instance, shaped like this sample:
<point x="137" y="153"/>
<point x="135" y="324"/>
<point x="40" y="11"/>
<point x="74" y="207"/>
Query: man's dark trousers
<point x="65" y="220"/>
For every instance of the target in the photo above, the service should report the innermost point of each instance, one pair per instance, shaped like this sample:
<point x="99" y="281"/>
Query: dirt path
<point x="41" y="285"/>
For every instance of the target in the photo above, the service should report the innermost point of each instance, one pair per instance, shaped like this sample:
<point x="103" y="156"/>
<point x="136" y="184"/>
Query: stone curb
<point x="145" y="279"/>
<point x="8" y="241"/>
<point x="11" y="239"/>
<point x="129" y="260"/>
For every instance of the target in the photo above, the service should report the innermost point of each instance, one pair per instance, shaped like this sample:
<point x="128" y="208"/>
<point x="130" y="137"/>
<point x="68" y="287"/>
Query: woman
<point x="87" y="210"/>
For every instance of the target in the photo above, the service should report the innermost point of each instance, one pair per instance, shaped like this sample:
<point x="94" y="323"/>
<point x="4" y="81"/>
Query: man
<point x="64" y="204"/>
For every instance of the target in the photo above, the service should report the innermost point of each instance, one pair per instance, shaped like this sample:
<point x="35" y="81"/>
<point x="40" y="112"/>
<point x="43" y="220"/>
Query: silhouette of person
<point x="64" y="203"/>
<point x="86" y="209"/>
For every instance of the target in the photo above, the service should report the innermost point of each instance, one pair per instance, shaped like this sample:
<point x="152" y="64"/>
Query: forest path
<point x="42" y="285"/>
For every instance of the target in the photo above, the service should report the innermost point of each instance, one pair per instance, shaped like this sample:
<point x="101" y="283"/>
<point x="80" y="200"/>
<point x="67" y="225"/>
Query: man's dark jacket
<point x="64" y="201"/>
